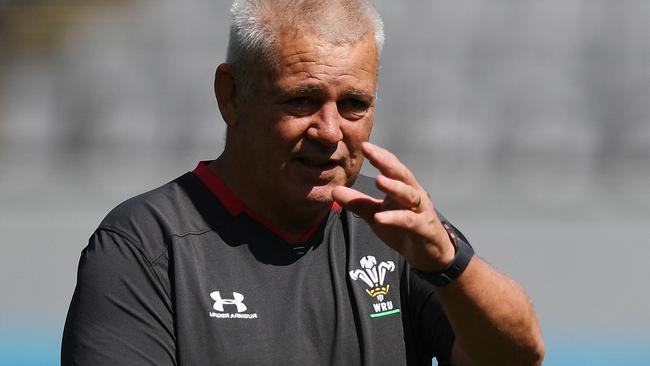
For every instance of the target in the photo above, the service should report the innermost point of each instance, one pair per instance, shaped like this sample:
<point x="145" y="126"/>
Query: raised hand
<point x="405" y="219"/>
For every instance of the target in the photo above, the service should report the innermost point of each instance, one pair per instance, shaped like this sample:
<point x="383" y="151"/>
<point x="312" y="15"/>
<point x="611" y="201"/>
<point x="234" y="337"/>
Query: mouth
<point x="319" y="163"/>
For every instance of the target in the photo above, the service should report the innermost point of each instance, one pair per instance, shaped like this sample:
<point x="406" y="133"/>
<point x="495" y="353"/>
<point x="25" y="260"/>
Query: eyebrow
<point x="301" y="90"/>
<point x="370" y="98"/>
<point x="314" y="90"/>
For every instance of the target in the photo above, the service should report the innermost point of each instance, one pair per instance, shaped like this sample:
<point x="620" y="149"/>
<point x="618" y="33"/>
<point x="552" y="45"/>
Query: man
<point x="278" y="252"/>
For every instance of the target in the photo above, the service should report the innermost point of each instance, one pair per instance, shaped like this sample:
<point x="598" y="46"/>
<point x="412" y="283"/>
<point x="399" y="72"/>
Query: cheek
<point x="289" y="132"/>
<point x="356" y="133"/>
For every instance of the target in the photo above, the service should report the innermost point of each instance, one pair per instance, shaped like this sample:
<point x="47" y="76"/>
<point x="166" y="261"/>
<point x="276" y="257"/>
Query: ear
<point x="226" y="92"/>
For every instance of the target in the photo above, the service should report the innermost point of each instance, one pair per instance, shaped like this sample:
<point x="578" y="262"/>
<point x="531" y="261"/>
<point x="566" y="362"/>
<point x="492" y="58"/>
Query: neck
<point x="294" y="219"/>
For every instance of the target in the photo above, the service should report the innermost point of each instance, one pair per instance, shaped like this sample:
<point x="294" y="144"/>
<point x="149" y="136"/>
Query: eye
<point x="353" y="108"/>
<point x="298" y="102"/>
<point x="301" y="106"/>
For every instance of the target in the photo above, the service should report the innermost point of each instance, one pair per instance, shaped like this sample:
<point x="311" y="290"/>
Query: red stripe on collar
<point x="235" y="206"/>
<point x="218" y="188"/>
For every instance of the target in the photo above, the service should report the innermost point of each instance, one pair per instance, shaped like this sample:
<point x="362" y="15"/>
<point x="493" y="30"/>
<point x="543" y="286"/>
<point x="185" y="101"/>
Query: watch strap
<point x="464" y="253"/>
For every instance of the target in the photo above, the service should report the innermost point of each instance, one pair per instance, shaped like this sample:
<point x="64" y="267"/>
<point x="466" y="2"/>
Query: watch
<point x="464" y="253"/>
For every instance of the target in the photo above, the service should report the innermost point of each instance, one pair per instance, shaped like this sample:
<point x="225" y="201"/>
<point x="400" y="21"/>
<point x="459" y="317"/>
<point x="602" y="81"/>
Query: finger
<point x="357" y="202"/>
<point x="387" y="163"/>
<point x="405" y="195"/>
<point x="404" y="219"/>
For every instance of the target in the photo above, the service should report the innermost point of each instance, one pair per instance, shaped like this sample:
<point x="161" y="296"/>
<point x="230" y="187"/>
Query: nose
<point x="326" y="126"/>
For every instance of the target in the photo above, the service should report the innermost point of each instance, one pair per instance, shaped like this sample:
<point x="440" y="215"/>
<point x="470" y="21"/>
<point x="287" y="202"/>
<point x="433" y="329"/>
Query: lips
<point x="318" y="163"/>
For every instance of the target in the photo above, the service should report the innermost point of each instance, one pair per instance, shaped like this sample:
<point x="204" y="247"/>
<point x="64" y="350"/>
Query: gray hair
<point x="257" y="24"/>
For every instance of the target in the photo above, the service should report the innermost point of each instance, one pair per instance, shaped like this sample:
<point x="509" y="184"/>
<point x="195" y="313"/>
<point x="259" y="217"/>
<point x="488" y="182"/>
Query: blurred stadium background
<point x="528" y="121"/>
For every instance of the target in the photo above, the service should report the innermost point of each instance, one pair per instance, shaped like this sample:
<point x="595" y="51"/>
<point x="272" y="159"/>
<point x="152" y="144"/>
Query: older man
<point x="278" y="252"/>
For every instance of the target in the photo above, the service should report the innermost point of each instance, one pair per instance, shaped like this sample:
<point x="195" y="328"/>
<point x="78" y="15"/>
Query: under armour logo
<point x="238" y="300"/>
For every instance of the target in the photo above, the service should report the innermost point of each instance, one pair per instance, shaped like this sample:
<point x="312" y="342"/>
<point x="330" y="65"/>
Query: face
<point x="301" y="132"/>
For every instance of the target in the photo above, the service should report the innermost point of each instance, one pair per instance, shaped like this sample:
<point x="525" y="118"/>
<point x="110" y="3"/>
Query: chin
<point x="321" y="194"/>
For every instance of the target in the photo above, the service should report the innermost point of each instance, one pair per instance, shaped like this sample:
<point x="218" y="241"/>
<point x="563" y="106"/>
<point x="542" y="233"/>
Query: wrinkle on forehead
<point x="311" y="61"/>
<point x="319" y="56"/>
<point x="335" y="69"/>
<point x="295" y="49"/>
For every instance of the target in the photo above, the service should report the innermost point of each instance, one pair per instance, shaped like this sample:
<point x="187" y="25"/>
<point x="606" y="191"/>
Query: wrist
<point x="449" y="253"/>
<point x="463" y="253"/>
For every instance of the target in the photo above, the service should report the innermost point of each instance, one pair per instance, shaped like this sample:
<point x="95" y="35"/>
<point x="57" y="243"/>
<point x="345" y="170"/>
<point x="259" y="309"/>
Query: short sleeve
<point x="120" y="313"/>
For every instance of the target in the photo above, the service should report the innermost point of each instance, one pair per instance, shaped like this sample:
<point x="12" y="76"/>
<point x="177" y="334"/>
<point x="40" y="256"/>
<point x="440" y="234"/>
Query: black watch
<point x="453" y="270"/>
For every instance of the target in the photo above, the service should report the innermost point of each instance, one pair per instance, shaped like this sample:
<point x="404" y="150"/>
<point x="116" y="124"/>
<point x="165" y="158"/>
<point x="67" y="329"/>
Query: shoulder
<point x="149" y="219"/>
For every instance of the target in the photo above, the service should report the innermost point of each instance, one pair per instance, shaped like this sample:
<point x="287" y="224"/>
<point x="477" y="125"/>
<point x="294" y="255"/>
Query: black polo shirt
<point x="187" y="275"/>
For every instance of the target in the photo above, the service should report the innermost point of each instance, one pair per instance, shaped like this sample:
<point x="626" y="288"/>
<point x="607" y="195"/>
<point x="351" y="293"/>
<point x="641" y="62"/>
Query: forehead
<point x="307" y="61"/>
